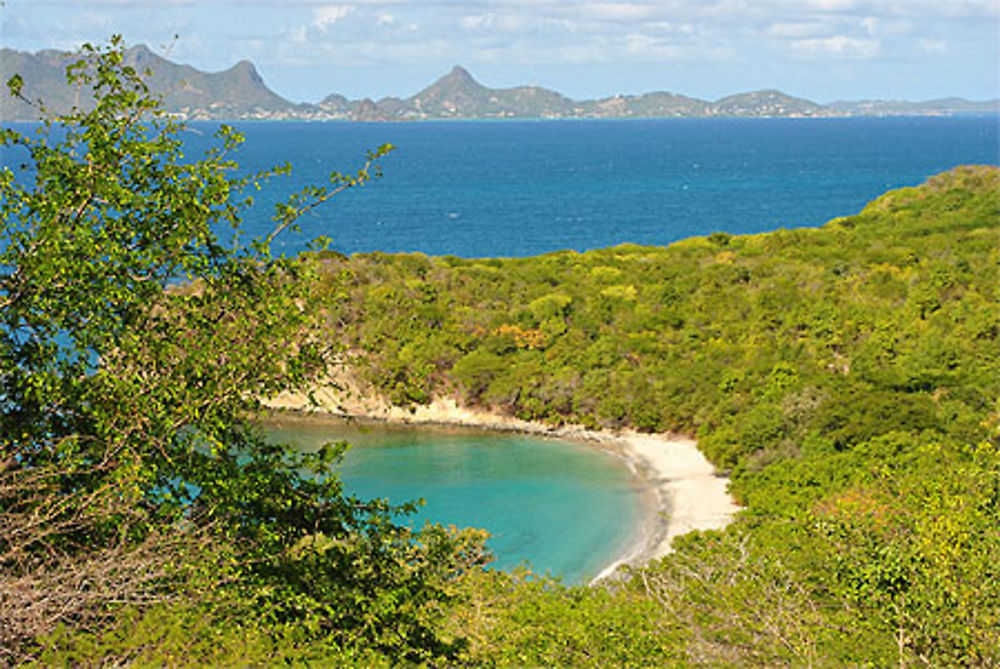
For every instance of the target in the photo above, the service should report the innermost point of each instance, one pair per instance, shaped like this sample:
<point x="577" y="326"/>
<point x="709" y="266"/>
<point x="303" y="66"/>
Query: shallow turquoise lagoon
<point x="564" y="508"/>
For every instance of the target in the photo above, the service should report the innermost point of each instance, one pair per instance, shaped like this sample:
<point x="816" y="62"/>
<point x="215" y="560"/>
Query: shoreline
<point x="681" y="490"/>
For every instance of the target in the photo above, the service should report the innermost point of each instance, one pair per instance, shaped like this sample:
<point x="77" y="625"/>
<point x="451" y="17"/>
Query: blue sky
<point x="820" y="49"/>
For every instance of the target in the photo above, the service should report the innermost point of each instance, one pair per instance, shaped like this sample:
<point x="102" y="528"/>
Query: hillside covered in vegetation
<point x="848" y="377"/>
<point x="765" y="346"/>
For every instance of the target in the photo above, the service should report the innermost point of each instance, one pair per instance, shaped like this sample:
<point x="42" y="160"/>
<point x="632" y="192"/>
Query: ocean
<point x="520" y="188"/>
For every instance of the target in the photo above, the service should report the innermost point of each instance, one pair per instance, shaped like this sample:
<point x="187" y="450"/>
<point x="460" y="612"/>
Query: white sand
<point x="690" y="496"/>
<point x="684" y="491"/>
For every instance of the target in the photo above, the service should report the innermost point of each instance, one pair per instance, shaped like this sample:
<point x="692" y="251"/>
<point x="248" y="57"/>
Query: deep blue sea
<point x="517" y="188"/>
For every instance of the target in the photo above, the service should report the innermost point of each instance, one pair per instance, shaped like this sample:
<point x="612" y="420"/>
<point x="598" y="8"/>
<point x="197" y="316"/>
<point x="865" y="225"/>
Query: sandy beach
<point x="681" y="486"/>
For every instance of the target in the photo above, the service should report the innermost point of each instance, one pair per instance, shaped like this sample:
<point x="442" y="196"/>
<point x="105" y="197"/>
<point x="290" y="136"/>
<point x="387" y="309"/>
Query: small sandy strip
<point x="690" y="495"/>
<point x="682" y="488"/>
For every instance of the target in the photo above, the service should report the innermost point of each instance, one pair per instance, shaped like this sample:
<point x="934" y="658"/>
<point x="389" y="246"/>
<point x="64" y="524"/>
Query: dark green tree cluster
<point x="141" y="511"/>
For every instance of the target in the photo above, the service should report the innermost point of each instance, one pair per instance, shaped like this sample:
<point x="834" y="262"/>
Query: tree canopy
<point x="138" y="333"/>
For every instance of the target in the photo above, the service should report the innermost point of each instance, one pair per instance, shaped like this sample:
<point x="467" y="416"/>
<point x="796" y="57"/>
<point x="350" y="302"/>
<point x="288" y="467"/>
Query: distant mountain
<point x="44" y="75"/>
<point x="766" y="103"/>
<point x="943" y="107"/>
<point x="650" y="105"/>
<point x="240" y="93"/>
<point x="458" y="95"/>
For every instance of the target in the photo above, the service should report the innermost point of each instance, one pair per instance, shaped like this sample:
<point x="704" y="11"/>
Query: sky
<point x="824" y="50"/>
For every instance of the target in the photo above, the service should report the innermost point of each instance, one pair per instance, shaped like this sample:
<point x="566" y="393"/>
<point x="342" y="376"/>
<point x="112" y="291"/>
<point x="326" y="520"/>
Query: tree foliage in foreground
<point x="137" y="333"/>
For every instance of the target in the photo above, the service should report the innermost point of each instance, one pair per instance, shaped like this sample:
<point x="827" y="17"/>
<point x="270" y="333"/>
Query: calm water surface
<point x="518" y="188"/>
<point x="565" y="508"/>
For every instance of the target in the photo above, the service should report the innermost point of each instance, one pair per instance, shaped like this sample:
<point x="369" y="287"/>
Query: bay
<point x="476" y="189"/>
<point x="517" y="188"/>
<point x="563" y="508"/>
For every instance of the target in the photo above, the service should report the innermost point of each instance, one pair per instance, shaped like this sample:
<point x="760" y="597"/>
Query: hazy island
<point x="241" y="93"/>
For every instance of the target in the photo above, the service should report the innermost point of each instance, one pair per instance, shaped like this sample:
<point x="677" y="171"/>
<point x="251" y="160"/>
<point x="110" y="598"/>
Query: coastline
<point x="681" y="489"/>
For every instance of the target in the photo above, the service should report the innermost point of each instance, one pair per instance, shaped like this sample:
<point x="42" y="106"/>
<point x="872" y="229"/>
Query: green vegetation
<point x="142" y="513"/>
<point x="766" y="346"/>
<point x="847" y="377"/>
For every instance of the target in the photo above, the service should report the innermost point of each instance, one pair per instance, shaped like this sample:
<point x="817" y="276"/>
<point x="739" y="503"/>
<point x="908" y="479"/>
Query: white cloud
<point x="619" y="11"/>
<point x="670" y="27"/>
<point x="838" y="46"/>
<point x="876" y="26"/>
<point x="798" y="29"/>
<point x="298" y="35"/>
<point x="477" y="21"/>
<point x="833" y="5"/>
<point x="512" y="22"/>
<point x="968" y="8"/>
<point x="324" y="17"/>
<point x="644" y="45"/>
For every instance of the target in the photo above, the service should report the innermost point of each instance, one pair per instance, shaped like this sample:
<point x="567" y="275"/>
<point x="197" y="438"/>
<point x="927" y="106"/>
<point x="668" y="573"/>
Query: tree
<point x="136" y="344"/>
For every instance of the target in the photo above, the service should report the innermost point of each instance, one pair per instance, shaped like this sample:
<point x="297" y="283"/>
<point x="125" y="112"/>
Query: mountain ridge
<point x="240" y="92"/>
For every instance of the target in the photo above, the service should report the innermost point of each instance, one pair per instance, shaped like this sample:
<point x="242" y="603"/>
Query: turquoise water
<point x="564" y="508"/>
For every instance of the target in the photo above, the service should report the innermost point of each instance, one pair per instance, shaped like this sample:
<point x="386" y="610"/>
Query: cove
<point x="562" y="508"/>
